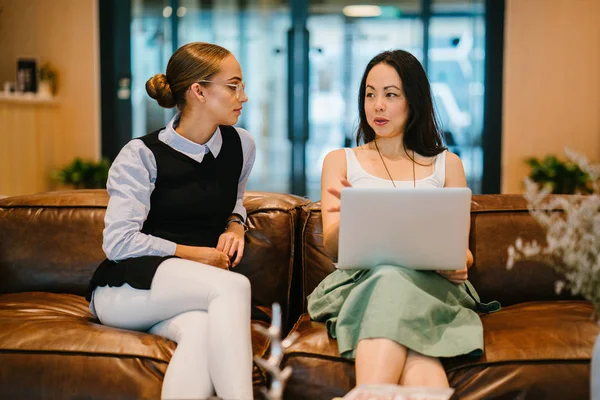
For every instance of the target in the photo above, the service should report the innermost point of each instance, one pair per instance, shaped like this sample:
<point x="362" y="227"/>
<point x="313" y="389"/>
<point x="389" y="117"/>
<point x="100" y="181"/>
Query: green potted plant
<point x="560" y="177"/>
<point x="82" y="174"/>
<point x="48" y="80"/>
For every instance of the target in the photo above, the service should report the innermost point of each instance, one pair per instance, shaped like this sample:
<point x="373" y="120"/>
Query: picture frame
<point x="27" y="77"/>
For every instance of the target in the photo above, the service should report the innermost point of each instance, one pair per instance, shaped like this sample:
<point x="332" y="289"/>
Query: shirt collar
<point x="175" y="140"/>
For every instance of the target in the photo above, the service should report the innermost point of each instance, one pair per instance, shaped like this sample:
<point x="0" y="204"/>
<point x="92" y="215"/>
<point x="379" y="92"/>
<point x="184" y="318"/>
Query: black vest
<point x="191" y="201"/>
<point x="189" y="205"/>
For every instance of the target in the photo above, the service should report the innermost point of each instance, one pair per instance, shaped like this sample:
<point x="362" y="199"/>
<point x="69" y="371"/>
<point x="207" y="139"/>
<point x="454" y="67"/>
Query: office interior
<point x="511" y="79"/>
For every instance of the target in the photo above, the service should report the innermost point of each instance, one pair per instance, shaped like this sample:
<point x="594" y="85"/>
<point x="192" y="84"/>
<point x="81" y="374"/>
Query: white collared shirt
<point x="131" y="181"/>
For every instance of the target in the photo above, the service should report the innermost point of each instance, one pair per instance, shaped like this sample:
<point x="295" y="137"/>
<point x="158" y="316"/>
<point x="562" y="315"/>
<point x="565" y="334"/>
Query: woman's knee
<point x="177" y="278"/>
<point x="238" y="283"/>
<point x="187" y="324"/>
<point x="186" y="271"/>
<point x="192" y="323"/>
<point x="386" y="271"/>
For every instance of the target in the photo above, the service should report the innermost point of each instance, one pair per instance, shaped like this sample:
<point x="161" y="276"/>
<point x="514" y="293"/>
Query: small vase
<point x="44" y="89"/>
<point x="595" y="370"/>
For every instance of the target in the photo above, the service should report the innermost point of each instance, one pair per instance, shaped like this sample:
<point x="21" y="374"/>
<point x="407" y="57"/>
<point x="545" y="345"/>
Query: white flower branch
<point x="272" y="364"/>
<point x="572" y="236"/>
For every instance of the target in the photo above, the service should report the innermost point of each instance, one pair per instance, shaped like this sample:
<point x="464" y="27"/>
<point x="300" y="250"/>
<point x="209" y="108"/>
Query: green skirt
<point x="420" y="310"/>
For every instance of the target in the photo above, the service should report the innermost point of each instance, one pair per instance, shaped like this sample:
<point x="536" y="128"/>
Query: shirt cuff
<point x="240" y="210"/>
<point x="164" y="247"/>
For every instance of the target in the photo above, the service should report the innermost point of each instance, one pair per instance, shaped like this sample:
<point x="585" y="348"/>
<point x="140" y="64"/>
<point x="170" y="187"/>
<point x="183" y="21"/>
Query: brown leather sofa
<point x="537" y="347"/>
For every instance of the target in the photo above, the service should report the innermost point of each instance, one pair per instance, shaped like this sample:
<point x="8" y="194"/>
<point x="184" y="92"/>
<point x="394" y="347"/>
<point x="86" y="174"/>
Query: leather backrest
<point x="496" y="223"/>
<point x="52" y="242"/>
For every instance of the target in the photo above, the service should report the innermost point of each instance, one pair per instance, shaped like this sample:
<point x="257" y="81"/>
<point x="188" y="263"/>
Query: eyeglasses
<point x="238" y="87"/>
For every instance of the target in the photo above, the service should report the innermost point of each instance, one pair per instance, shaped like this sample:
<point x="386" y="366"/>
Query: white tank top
<point x="358" y="177"/>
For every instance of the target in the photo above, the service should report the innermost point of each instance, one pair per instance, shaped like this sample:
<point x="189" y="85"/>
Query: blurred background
<point x="511" y="79"/>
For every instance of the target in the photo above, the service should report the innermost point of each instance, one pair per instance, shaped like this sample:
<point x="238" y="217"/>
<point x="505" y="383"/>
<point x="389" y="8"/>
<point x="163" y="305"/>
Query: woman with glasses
<point x="175" y="224"/>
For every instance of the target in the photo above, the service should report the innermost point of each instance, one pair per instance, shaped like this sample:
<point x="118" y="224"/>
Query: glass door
<point x="255" y="32"/>
<point x="151" y="47"/>
<point x="456" y="66"/>
<point x="451" y="32"/>
<point x="447" y="36"/>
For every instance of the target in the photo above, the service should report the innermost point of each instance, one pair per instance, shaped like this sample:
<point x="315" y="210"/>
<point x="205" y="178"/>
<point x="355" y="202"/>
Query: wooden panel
<point x="64" y="33"/>
<point x="551" y="83"/>
<point x="31" y="143"/>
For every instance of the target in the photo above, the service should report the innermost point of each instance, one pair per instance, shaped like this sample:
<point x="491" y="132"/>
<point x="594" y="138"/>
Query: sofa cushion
<point x="45" y="335"/>
<point x="48" y="322"/>
<point x="546" y="346"/>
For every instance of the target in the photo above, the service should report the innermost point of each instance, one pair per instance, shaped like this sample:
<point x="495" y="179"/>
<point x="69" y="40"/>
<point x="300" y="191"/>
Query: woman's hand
<point x="231" y="242"/>
<point x="205" y="255"/>
<point x="459" y="276"/>
<point x="338" y="194"/>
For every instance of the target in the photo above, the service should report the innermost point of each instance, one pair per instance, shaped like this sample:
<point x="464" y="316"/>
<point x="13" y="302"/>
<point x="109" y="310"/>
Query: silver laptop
<point x="418" y="228"/>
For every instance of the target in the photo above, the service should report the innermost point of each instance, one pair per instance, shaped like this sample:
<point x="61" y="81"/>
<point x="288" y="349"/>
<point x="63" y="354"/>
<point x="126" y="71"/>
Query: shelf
<point x="28" y="98"/>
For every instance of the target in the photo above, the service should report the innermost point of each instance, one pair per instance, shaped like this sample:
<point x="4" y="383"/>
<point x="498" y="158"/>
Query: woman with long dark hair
<point x="396" y="322"/>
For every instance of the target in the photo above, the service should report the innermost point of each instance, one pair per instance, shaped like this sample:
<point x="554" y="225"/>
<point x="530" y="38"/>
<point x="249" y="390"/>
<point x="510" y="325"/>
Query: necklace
<point x="388" y="171"/>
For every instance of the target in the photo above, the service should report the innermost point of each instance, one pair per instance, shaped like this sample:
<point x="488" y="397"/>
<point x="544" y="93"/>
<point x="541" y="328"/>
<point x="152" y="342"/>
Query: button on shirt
<point x="131" y="182"/>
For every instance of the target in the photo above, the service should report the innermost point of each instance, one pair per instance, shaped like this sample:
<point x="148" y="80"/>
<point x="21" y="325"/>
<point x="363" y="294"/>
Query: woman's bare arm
<point x="334" y="171"/>
<point x="455" y="177"/>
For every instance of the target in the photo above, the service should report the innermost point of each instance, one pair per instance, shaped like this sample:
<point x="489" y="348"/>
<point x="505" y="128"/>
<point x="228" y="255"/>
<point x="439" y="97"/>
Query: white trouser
<point x="206" y="311"/>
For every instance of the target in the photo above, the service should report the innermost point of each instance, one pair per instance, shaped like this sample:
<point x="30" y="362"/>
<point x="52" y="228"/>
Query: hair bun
<point x="159" y="89"/>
